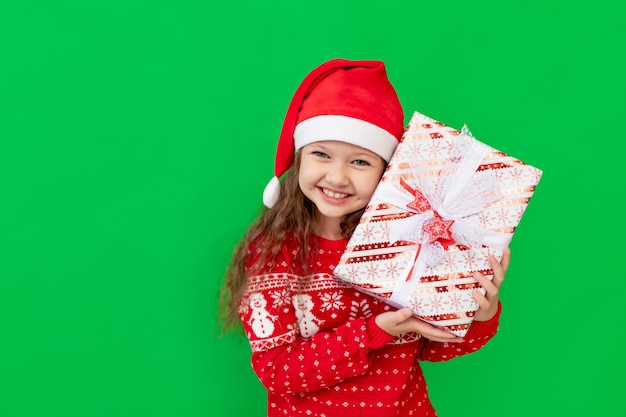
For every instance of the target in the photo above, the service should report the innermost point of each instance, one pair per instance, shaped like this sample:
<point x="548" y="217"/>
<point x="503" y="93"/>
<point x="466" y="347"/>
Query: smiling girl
<point x="320" y="347"/>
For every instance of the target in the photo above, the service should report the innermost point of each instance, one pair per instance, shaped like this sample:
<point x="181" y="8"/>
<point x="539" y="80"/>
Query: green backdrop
<point x="136" y="139"/>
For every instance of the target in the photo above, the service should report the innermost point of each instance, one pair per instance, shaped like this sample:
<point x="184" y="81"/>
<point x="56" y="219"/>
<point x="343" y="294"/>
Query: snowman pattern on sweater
<point x="261" y="322"/>
<point x="281" y="307"/>
<point x="307" y="322"/>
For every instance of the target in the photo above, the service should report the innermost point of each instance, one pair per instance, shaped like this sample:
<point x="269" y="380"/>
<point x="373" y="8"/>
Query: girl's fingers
<point x="480" y="299"/>
<point x="435" y="334"/>
<point x="506" y="259"/>
<point x="490" y="286"/>
<point x="403" y="314"/>
<point x="499" y="268"/>
<point x="441" y="339"/>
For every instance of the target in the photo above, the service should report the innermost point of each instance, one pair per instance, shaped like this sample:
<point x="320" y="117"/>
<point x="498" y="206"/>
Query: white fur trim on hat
<point x="271" y="192"/>
<point x="345" y="129"/>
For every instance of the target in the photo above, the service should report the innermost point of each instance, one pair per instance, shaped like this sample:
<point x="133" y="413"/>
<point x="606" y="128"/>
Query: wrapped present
<point x="445" y="203"/>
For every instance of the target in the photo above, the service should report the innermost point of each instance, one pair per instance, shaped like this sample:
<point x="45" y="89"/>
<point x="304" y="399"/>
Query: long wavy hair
<point x="293" y="215"/>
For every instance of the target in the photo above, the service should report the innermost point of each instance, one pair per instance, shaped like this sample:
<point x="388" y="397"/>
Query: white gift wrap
<point x="444" y="204"/>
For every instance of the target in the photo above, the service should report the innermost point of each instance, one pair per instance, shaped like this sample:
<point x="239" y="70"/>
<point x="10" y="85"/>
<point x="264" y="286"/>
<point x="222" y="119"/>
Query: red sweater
<point x="319" y="352"/>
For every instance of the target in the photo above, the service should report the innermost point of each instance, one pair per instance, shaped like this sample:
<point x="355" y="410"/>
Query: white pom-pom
<point x="271" y="192"/>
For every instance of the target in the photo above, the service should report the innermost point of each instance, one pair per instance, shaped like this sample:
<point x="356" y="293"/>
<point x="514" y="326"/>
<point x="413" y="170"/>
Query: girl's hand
<point x="402" y="321"/>
<point x="488" y="303"/>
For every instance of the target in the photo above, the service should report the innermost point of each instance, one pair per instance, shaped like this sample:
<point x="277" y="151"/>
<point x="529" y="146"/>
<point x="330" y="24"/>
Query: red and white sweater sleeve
<point x="287" y="362"/>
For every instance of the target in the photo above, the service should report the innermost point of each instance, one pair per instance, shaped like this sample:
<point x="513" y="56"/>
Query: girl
<point x="320" y="347"/>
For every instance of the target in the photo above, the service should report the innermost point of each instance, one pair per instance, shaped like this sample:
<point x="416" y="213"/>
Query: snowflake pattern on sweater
<point x="318" y="351"/>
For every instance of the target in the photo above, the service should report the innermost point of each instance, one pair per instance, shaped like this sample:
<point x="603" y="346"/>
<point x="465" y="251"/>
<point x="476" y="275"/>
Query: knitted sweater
<point x="318" y="351"/>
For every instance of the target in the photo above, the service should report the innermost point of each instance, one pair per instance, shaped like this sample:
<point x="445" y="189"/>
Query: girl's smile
<point x="333" y="195"/>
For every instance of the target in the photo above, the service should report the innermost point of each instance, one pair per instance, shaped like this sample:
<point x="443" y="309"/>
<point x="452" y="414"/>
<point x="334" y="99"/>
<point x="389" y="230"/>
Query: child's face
<point x="339" y="178"/>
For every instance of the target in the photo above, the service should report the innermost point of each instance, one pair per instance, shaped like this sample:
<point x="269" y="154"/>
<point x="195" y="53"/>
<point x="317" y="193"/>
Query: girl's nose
<point x="337" y="174"/>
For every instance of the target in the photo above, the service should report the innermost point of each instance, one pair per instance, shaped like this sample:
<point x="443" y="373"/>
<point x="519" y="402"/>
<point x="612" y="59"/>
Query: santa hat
<point x="344" y="100"/>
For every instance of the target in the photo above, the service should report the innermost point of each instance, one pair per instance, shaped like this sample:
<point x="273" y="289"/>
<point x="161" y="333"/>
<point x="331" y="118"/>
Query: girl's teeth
<point x="334" y="195"/>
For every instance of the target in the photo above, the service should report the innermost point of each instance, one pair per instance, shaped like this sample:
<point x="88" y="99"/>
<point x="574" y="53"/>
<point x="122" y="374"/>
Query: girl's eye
<point x="320" y="154"/>
<point x="361" y="163"/>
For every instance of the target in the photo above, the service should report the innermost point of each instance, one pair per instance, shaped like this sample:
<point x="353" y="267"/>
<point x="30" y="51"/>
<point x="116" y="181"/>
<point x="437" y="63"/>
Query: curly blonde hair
<point x="294" y="215"/>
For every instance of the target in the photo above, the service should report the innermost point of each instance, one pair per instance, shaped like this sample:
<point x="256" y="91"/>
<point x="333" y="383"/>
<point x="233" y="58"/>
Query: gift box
<point x="445" y="203"/>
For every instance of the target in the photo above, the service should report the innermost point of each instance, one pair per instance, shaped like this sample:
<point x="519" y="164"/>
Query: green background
<point x="136" y="139"/>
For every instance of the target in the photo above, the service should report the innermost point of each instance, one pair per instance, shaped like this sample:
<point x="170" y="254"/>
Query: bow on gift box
<point x="435" y="228"/>
<point x="442" y="209"/>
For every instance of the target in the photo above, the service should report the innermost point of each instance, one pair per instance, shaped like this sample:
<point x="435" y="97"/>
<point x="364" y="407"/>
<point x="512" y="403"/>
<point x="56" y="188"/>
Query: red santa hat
<point x="343" y="100"/>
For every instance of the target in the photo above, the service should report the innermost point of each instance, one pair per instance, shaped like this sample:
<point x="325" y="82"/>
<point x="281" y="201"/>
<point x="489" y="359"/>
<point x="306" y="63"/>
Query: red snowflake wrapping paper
<point x="445" y="203"/>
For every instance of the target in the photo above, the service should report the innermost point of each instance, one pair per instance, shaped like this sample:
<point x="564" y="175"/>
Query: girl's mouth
<point x="333" y="194"/>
